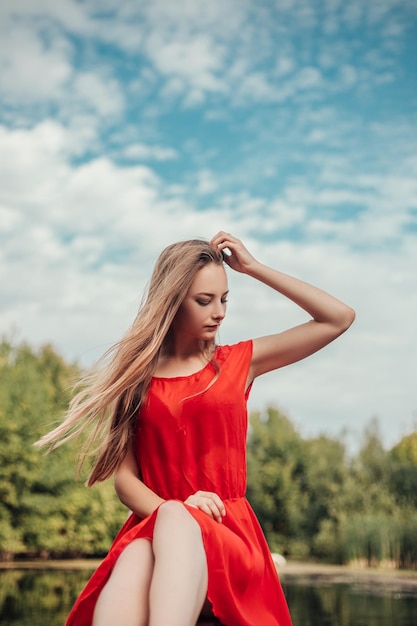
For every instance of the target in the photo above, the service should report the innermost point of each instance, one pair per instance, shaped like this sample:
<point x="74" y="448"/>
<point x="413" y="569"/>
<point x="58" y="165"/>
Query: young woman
<point x="172" y="405"/>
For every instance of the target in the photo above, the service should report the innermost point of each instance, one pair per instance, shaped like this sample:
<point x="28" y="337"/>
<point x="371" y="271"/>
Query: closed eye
<point x="207" y="302"/>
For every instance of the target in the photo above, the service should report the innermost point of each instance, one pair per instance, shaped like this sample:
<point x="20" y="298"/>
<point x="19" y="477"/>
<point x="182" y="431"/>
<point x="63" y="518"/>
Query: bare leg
<point x="179" y="582"/>
<point x="124" y="599"/>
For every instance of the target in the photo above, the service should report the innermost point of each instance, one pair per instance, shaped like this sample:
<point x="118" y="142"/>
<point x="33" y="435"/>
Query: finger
<point x="215" y="240"/>
<point x="227" y="248"/>
<point x="205" y="507"/>
<point x="216" y="504"/>
<point x="222" y="238"/>
<point x="219" y="504"/>
<point x="221" y="235"/>
<point x="211" y="509"/>
<point x="210" y="502"/>
<point x="212" y="495"/>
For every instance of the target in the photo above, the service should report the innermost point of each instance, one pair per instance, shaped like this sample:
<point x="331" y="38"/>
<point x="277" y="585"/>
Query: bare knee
<point x="172" y="508"/>
<point x="174" y="515"/>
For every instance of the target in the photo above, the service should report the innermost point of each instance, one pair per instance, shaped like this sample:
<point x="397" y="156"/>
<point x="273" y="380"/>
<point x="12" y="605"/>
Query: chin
<point x="209" y="337"/>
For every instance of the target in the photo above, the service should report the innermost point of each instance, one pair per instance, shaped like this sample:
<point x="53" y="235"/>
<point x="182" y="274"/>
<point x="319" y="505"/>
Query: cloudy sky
<point x="128" y="124"/>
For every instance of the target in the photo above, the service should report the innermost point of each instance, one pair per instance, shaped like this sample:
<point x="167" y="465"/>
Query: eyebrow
<point x="211" y="295"/>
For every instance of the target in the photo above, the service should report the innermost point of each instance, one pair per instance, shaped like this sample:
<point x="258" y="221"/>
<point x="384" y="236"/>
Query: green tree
<point x="326" y="477"/>
<point x="44" y="508"/>
<point x="403" y="470"/>
<point x="276" y="478"/>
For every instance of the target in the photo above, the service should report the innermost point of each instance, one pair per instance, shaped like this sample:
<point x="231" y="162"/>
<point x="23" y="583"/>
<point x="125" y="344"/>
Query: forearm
<point x="320" y="305"/>
<point x="134" y="494"/>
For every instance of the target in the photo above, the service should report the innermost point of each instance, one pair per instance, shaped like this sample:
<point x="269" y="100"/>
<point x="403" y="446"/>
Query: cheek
<point x="188" y="315"/>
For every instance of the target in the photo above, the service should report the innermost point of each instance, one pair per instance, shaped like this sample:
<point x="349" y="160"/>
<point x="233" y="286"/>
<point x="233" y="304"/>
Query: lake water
<point x="43" y="598"/>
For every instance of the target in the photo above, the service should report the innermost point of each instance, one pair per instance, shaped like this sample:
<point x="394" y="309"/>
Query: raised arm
<point x="330" y="317"/>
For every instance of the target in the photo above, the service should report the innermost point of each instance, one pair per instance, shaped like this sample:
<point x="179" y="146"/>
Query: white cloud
<point x="206" y="182"/>
<point x="256" y="86"/>
<point x="307" y="78"/>
<point x="284" y="65"/>
<point x="348" y="75"/>
<point x="286" y="215"/>
<point x="30" y="156"/>
<point x="32" y="69"/>
<point x="318" y="136"/>
<point x="37" y="69"/>
<point x="69" y="13"/>
<point x="223" y="16"/>
<point x="101" y="94"/>
<point x="195" y="59"/>
<point x="9" y="220"/>
<point x="141" y="151"/>
<point x="198" y="50"/>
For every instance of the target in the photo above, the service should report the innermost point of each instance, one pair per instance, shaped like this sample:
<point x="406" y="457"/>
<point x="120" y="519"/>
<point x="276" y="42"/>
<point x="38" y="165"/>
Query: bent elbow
<point x="347" y="318"/>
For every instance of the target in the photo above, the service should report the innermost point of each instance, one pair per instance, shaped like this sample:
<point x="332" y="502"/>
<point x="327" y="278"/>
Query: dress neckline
<point x="188" y="376"/>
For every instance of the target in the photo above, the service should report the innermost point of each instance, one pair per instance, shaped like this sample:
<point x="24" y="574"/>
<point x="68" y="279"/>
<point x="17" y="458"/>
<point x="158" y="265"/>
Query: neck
<point x="181" y="349"/>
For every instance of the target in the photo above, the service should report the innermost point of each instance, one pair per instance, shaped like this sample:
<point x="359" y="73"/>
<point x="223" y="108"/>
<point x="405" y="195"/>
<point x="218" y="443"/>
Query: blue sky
<point x="127" y="125"/>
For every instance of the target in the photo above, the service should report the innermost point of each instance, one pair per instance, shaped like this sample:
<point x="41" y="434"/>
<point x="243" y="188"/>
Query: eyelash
<point x="206" y="303"/>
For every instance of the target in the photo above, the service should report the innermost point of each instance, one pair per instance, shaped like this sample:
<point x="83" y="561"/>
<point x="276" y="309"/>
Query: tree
<point x="276" y="477"/>
<point x="44" y="508"/>
<point x="326" y="477"/>
<point x="403" y="470"/>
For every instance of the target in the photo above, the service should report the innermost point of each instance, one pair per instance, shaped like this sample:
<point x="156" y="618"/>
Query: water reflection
<point x="349" y="605"/>
<point x="35" y="598"/>
<point x="43" y="598"/>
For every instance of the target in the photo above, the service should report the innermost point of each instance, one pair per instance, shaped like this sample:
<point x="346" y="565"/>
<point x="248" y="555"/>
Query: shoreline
<point x="373" y="579"/>
<point x="52" y="564"/>
<point x="292" y="571"/>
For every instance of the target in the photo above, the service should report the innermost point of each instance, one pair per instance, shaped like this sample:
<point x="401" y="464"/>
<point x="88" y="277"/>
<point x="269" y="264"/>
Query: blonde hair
<point x="111" y="394"/>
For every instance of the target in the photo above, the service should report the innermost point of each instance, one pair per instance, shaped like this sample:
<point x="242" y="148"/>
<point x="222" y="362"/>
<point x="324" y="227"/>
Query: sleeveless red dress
<point x="192" y="436"/>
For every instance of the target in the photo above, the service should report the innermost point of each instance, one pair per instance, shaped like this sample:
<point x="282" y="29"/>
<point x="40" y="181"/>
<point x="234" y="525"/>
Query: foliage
<point x="44" y="509"/>
<point x="276" y="466"/>
<point x="403" y="471"/>
<point x="312" y="500"/>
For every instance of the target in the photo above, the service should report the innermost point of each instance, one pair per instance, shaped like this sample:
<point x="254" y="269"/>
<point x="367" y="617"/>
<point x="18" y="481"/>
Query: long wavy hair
<point x="105" y="406"/>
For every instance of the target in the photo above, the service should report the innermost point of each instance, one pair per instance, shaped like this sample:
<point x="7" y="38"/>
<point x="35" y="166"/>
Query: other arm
<point x="134" y="494"/>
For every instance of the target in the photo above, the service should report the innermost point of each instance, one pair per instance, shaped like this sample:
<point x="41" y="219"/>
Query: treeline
<point x="313" y="501"/>
<point x="316" y="502"/>
<point x="44" y="509"/>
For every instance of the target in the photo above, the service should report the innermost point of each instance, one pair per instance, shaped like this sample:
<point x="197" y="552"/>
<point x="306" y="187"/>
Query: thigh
<point x="136" y="558"/>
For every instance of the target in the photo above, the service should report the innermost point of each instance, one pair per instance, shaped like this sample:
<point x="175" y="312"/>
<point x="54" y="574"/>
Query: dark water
<point x="344" y="604"/>
<point x="43" y="598"/>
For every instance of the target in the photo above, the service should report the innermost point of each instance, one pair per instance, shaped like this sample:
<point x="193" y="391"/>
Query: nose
<point x="219" y="311"/>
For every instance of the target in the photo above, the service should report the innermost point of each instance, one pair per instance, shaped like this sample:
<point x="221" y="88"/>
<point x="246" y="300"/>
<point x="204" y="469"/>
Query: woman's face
<point x="204" y="306"/>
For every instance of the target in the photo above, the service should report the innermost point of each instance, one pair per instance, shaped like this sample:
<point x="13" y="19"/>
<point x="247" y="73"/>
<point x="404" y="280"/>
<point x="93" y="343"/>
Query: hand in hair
<point x="235" y="253"/>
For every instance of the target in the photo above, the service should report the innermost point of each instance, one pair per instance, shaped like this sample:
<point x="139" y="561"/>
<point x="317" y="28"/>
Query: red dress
<point x="192" y="436"/>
